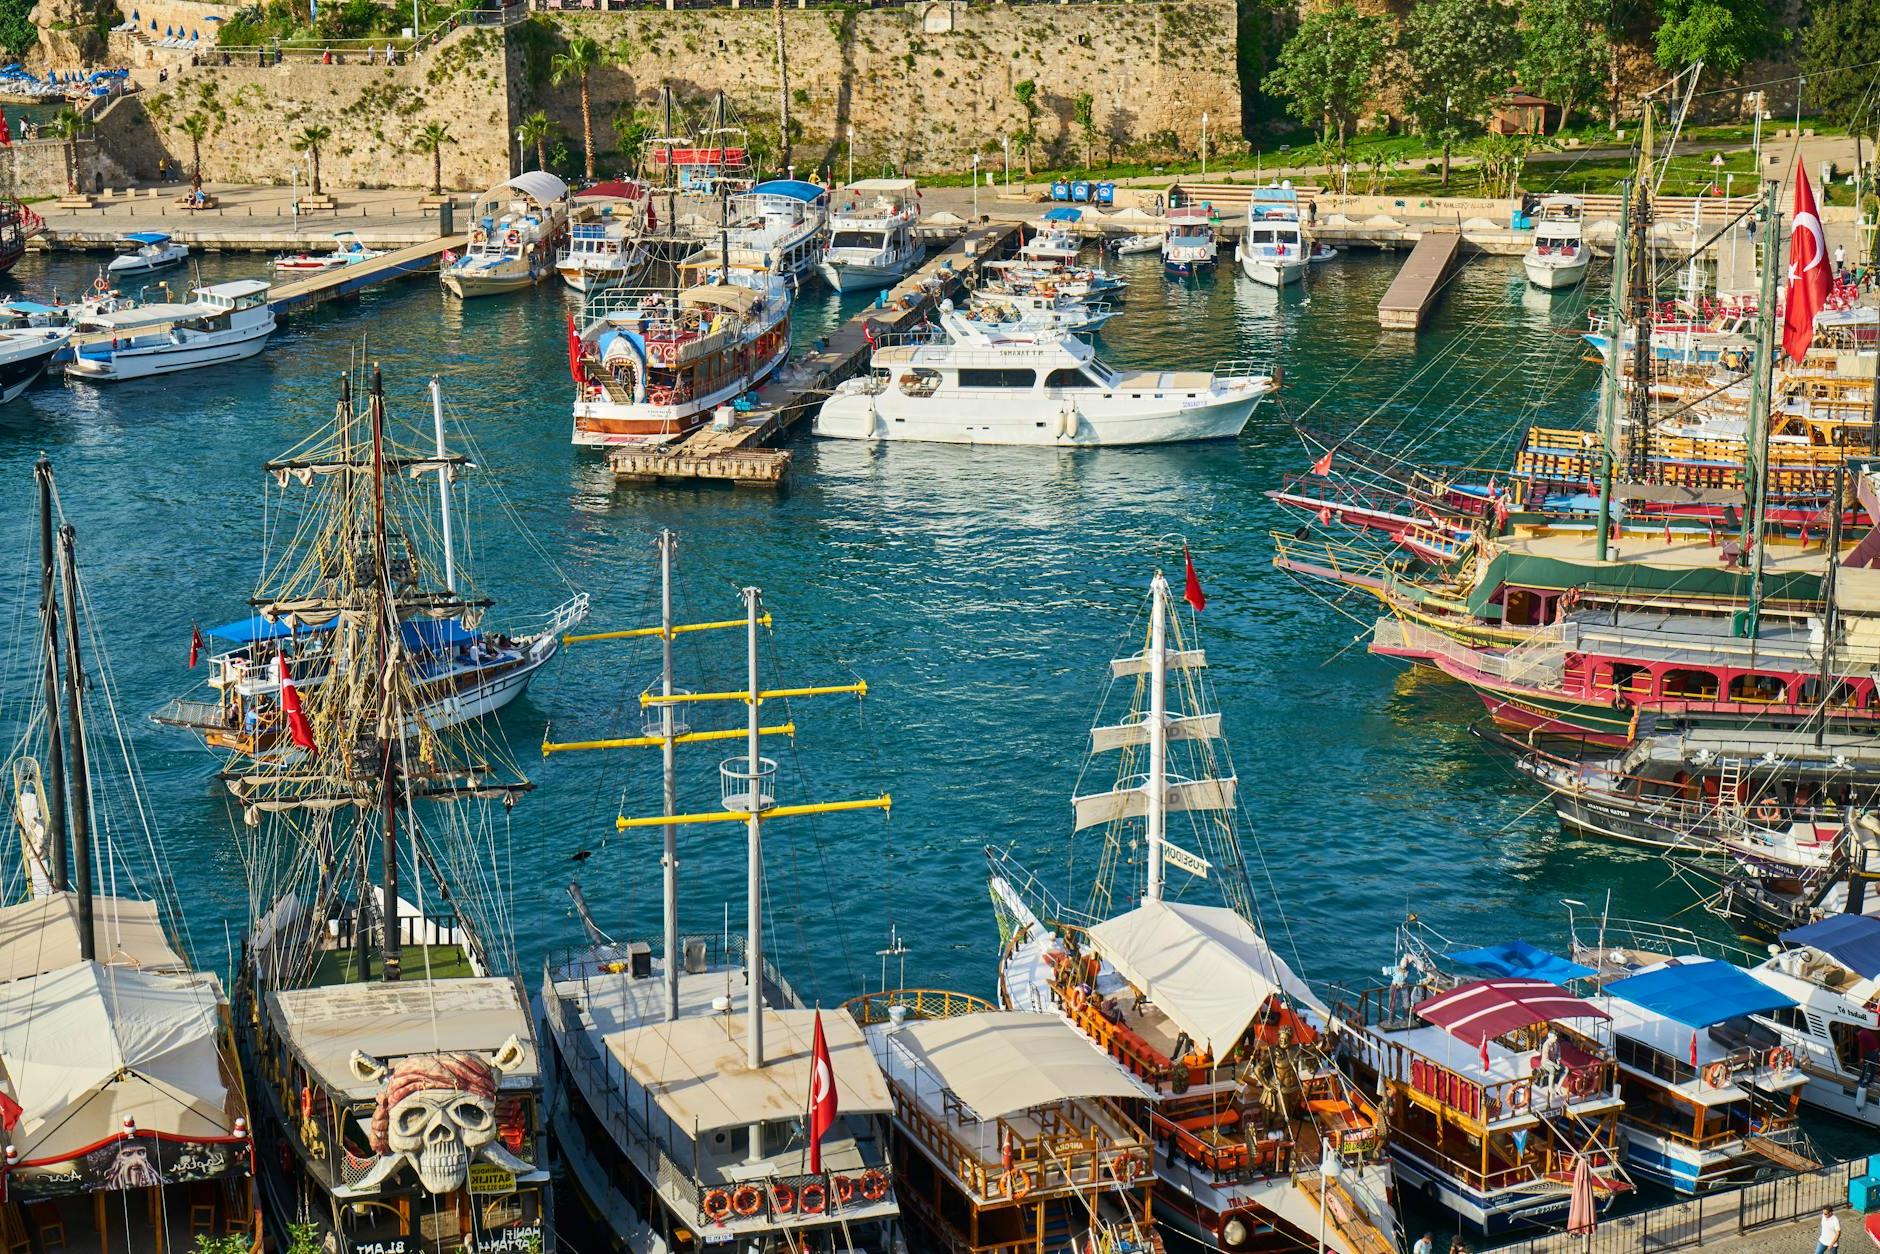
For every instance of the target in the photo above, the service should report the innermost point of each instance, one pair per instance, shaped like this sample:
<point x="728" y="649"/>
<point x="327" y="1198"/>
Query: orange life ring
<point x="513" y="238"/>
<point x="812" y="1198"/>
<point x="1123" y="1168"/>
<point x="1780" y="1058"/>
<point x="845" y="1189"/>
<point x="874" y="1185"/>
<point x="784" y="1198"/>
<point x="716" y="1206"/>
<point x="1583" y="1081"/>
<point x="1017" y="1184"/>
<point x="306" y="1102"/>
<point x="477" y="236"/>
<point x="746" y="1200"/>
<point x="1717" y="1074"/>
<point x="1521" y="1095"/>
<point x="99" y="286"/>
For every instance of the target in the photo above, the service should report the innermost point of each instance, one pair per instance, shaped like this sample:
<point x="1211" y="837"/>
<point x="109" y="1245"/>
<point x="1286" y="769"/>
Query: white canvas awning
<point x="1005" y="1061"/>
<point x="695" y="1068"/>
<point x="42" y="934"/>
<point x="538" y="185"/>
<point x="90" y="1046"/>
<point x="1203" y="966"/>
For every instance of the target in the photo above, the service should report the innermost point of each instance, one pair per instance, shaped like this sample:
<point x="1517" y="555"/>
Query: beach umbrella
<point x="1582" y="1214"/>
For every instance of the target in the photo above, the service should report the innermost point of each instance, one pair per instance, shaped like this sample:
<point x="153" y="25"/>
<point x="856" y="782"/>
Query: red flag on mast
<point x="822" y="1096"/>
<point x="1323" y="466"/>
<point x="1693" y="1051"/>
<point x="10" y="1112"/>
<point x="1808" y="271"/>
<point x="297" y="725"/>
<point x="1484" y="1052"/>
<point x="6" y="141"/>
<point x="1191" y="590"/>
<point x="195" y="645"/>
<point x="574" y="354"/>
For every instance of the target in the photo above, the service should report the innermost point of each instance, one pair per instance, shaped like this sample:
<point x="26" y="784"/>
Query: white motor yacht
<point x="1831" y="970"/>
<point x="1036" y="388"/>
<point x="348" y="250"/>
<point x="224" y="322"/>
<point x="24" y="355"/>
<point x="1190" y="247"/>
<point x="871" y="236"/>
<point x="1560" y="256"/>
<point x="1273" y="249"/>
<point x="153" y="251"/>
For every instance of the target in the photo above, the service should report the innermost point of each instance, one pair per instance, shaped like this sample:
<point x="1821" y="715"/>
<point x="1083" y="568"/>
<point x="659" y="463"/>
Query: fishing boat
<point x="1266" y="1144"/>
<point x="604" y="248"/>
<point x="1010" y="1129"/>
<point x="1189" y="247"/>
<point x="699" y="1100"/>
<point x="456" y="667"/>
<point x="151" y="250"/>
<point x="1559" y="256"/>
<point x="1043" y="387"/>
<point x="25" y="353"/>
<point x="127" y="1122"/>
<point x="515" y="229"/>
<point x="871" y="235"/>
<point x="1273" y="248"/>
<point x="348" y="250"/>
<point x="650" y="366"/>
<point x="401" y="1097"/>
<point x="224" y="322"/>
<point x="780" y="226"/>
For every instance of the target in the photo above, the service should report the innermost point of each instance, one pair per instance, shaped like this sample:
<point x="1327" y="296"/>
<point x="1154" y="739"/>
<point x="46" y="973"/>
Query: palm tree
<point x="68" y="126"/>
<point x="196" y="126"/>
<point x="1027" y="93"/>
<point x="309" y="141"/>
<point x="783" y="92"/>
<point x="535" y="130"/>
<point x="582" y="59"/>
<point x="432" y="140"/>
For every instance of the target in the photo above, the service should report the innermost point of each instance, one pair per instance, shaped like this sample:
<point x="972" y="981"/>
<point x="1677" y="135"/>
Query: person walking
<point x="1424" y="1245"/>
<point x="1830" y="1242"/>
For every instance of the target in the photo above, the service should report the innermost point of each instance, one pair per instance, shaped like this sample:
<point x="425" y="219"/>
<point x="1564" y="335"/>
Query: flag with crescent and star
<point x="1808" y="271"/>
<point x="822" y="1096"/>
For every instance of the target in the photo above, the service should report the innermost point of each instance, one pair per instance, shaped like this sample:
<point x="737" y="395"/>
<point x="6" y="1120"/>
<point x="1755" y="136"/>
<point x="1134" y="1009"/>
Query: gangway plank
<point x="347" y="280"/>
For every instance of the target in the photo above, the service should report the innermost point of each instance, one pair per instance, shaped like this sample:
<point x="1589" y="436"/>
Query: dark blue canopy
<point x="1699" y="993"/>
<point x="1063" y="215"/>
<point x="1523" y="961"/>
<point x="795" y="189"/>
<point x="253" y="628"/>
<point x="147" y="237"/>
<point x="1853" y="940"/>
<point x="436" y="634"/>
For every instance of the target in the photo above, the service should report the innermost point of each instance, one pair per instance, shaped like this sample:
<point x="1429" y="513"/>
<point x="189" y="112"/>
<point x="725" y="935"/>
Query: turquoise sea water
<point x="979" y="591"/>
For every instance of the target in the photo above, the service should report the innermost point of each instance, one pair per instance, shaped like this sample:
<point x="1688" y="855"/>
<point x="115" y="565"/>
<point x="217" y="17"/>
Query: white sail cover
<point x="89" y="1046"/>
<point x="42" y="934"/>
<point x="1133" y="803"/>
<point x="1203" y="966"/>
<point x="1000" y="1062"/>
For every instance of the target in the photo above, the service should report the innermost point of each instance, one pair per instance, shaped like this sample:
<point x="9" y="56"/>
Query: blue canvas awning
<point x="30" y="307"/>
<point x="795" y="189"/>
<point x="1853" y="940"/>
<point x="1064" y="214"/>
<point x="435" y="634"/>
<point x="255" y="627"/>
<point x="1523" y="961"/>
<point x="1699" y="993"/>
<point x="147" y="237"/>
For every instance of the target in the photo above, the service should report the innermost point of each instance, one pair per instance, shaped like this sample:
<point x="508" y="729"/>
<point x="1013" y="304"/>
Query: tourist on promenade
<point x="1830" y="1242"/>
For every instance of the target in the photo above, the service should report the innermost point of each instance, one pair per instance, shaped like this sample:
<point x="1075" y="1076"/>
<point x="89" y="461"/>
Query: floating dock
<point x="1415" y="288"/>
<point x="739" y="454"/>
<point x="301" y="294"/>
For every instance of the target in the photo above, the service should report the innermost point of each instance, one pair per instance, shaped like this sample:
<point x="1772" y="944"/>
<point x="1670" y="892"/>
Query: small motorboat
<point x="348" y="250"/>
<point x="1132" y="245"/>
<point x="1322" y="252"/>
<point x="153" y="251"/>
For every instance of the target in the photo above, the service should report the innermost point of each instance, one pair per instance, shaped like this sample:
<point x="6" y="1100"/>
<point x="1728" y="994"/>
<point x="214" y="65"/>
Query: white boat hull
<point x="855" y="276"/>
<point x="1543" y="272"/>
<point x="1096" y="422"/>
<point x="661" y="424"/>
<point x="1271" y="271"/>
<point x="115" y="365"/>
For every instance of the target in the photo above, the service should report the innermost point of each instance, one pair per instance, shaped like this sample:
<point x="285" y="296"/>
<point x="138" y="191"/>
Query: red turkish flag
<point x="1485" y="1053"/>
<point x="1191" y="589"/>
<point x="297" y="725"/>
<point x="1808" y="271"/>
<point x="574" y="354"/>
<point x="10" y="1112"/>
<point x="1693" y="1050"/>
<point x="195" y="645"/>
<point x="1323" y="466"/>
<point x="6" y="141"/>
<point x="822" y="1096"/>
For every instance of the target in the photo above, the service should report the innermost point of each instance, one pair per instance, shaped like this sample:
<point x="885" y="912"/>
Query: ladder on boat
<point x="1780" y="1155"/>
<point x="1344" y="1216"/>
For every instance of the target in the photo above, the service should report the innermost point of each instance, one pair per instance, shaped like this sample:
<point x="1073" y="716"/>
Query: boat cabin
<point x="517" y="216"/>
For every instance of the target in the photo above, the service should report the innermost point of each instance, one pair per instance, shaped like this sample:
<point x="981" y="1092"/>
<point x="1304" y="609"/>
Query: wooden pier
<point x="740" y="454"/>
<point x="347" y="280"/>
<point x="1415" y="288"/>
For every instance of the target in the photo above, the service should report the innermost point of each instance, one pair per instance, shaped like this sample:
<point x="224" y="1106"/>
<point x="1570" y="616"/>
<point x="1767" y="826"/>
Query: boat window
<point x="1759" y="689"/>
<point x="1263" y="237"/>
<point x="856" y="239"/>
<point x="1100" y="374"/>
<point x="920" y="382"/>
<point x="1628" y="677"/>
<point x="1068" y="377"/>
<point x="1789" y="1017"/>
<point x="1689" y="685"/>
<point x="1842" y="694"/>
<point x="998" y="378"/>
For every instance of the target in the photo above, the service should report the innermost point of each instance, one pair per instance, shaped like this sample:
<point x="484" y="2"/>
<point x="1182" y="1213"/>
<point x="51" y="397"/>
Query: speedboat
<point x="154" y="251"/>
<point x="514" y="231"/>
<point x="1035" y="312"/>
<point x="1044" y="388"/>
<point x="24" y="355"/>
<point x="347" y="250"/>
<point x="1273" y="249"/>
<point x="871" y="236"/>
<point x="1560" y="256"/>
<point x="1190" y="246"/>
<point x="1135" y="245"/>
<point x="225" y="322"/>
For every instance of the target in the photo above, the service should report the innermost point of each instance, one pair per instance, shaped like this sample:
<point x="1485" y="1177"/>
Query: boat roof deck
<point x="437" y="962"/>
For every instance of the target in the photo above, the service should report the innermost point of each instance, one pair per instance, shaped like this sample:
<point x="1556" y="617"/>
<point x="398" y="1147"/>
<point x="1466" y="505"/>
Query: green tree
<point x="783" y="90"/>
<point x="309" y="141"/>
<point x="1084" y="109"/>
<point x="1026" y="91"/>
<point x="631" y="131"/>
<point x="1724" y="34"/>
<point x="68" y="126"/>
<point x="1841" y="33"/>
<point x="1564" y="50"/>
<point x="17" y="32"/>
<point x="535" y="131"/>
<point x="1328" y="69"/>
<point x="432" y="140"/>
<point x="581" y="59"/>
<point x="197" y="127"/>
<point x="1461" y="55"/>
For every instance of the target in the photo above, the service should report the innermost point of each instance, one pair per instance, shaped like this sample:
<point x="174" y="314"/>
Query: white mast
<point x="754" y="859"/>
<point x="669" y="858"/>
<point x="1157" y="786"/>
<point x="443" y="486"/>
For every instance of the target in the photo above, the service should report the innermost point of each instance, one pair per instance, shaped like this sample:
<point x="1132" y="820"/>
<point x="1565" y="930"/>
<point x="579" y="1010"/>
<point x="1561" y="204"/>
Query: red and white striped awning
<point x="1475" y="1011"/>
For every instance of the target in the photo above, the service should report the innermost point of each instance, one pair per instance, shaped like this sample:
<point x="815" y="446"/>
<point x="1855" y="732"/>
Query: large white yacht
<point x="1559" y="257"/>
<point x="980" y="386"/>
<point x="1273" y="248"/>
<point x="1831" y="969"/>
<point x="25" y="352"/>
<point x="225" y="322"/>
<point x="871" y="236"/>
<point x="776" y="226"/>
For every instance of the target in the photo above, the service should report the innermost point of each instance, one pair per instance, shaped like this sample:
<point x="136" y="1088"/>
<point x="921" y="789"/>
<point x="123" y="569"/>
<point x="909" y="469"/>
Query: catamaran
<point x="700" y="1101"/>
<point x="1267" y="1144"/>
<point x="515" y="229"/>
<point x="871" y="235"/>
<point x="403" y="1099"/>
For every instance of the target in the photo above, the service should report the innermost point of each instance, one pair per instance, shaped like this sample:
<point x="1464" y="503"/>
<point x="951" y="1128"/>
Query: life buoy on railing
<point x="99" y="286"/>
<point x="1583" y="1081"/>
<point x="716" y="1206"/>
<point x="1781" y="1058"/>
<point x="845" y="1189"/>
<point x="1717" y="1074"/>
<point x="783" y="1197"/>
<point x="746" y="1200"/>
<point x="512" y="238"/>
<point x="812" y="1198"/>
<point x="477" y="236"/>
<point x="875" y="1185"/>
<point x="1521" y="1095"/>
<point x="1017" y="1184"/>
<point x="659" y="395"/>
<point x="1124" y="1168"/>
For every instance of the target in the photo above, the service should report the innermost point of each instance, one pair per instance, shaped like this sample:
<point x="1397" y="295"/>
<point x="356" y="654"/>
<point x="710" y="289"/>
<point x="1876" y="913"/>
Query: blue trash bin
<point x="1060" y="191"/>
<point x="1106" y="193"/>
<point x="1080" y="192"/>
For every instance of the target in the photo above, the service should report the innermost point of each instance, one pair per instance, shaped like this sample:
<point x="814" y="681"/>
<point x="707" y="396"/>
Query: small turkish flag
<point x="6" y="141"/>
<point x="1323" y="466"/>
<point x="1325" y="515"/>
<point x="1191" y="589"/>
<point x="195" y="645"/>
<point x="297" y="726"/>
<point x="1693" y="1049"/>
<point x="1485" y="1052"/>
<point x="574" y="354"/>
<point x="822" y="1096"/>
<point x="1808" y="271"/>
<point x="10" y="1112"/>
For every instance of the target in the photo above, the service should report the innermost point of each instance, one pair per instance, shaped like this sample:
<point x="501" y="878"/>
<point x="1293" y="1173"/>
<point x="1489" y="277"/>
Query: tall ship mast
<point x="401" y="1095"/>
<point x="702" y="1102"/>
<point x="1269" y="1146"/>
<point x="120" y="1091"/>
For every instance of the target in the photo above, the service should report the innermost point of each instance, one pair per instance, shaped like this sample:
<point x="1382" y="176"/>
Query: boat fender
<point x="1717" y="1074"/>
<point x="746" y="1200"/>
<point x="875" y="1185"/>
<point x="813" y="1199"/>
<point x="716" y="1206"/>
<point x="1279" y="377"/>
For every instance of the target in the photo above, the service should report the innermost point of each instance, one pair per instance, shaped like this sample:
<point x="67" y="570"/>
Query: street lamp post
<point x="975" y="187"/>
<point x="1005" y="142"/>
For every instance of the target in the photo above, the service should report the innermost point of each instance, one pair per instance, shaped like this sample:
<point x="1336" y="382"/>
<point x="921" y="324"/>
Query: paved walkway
<point x="255" y="217"/>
